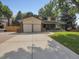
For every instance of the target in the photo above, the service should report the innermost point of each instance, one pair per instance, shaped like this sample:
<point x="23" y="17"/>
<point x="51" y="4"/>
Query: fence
<point x="12" y="28"/>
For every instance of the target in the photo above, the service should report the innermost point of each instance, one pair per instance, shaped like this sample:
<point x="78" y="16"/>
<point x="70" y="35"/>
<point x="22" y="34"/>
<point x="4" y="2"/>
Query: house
<point x="4" y="23"/>
<point x="38" y="24"/>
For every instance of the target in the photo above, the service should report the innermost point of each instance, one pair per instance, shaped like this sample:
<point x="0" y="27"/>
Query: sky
<point x="25" y="5"/>
<point x="77" y="19"/>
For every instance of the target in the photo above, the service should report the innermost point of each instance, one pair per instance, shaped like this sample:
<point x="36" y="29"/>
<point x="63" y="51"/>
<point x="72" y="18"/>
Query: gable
<point x="31" y="20"/>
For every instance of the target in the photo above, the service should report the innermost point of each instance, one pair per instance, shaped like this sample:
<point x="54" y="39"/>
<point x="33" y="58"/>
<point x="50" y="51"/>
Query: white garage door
<point x="27" y="28"/>
<point x="36" y="28"/>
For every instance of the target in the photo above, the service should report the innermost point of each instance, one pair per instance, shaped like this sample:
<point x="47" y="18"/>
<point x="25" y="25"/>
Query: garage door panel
<point x="27" y="28"/>
<point x="36" y="28"/>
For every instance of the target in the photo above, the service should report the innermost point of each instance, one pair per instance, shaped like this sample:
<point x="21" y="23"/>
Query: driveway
<point x="4" y="36"/>
<point x="34" y="46"/>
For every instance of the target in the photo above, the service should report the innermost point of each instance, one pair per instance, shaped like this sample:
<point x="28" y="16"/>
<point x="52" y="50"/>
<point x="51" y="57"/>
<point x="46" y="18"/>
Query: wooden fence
<point x="12" y="28"/>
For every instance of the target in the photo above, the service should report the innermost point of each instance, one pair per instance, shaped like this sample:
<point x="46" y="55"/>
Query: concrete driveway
<point x="4" y="36"/>
<point x="34" y="46"/>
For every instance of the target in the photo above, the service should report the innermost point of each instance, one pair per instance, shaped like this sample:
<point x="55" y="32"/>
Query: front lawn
<point x="68" y="39"/>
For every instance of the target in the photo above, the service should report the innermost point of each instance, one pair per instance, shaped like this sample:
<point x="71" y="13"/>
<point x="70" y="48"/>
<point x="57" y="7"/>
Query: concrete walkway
<point x="34" y="46"/>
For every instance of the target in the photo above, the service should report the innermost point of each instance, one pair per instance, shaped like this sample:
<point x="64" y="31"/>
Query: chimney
<point x="49" y="18"/>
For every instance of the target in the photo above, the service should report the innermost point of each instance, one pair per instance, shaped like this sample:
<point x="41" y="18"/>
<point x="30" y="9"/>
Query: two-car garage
<point x="31" y="24"/>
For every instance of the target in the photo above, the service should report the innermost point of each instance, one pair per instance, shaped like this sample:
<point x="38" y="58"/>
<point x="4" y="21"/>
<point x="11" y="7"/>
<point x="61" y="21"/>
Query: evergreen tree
<point x="19" y="16"/>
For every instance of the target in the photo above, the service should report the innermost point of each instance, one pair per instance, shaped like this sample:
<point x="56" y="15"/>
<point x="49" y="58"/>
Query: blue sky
<point x="25" y="5"/>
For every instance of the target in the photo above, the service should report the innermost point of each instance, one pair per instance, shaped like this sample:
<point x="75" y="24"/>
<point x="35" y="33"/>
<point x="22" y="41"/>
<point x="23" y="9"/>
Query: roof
<point x="43" y="21"/>
<point x="31" y="20"/>
<point x="38" y="17"/>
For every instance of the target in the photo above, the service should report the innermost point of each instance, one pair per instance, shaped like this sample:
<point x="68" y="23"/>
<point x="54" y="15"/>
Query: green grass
<point x="68" y="39"/>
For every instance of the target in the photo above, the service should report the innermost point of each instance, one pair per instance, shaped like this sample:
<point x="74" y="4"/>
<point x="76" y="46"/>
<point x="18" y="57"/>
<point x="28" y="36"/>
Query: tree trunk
<point x="8" y="21"/>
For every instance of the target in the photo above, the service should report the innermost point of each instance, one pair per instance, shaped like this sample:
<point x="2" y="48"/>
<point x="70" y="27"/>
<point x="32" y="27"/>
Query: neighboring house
<point x="3" y="23"/>
<point x="38" y="24"/>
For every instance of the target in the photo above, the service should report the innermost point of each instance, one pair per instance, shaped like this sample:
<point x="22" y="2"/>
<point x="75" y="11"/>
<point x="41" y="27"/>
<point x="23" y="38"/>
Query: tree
<point x="18" y="18"/>
<point x="5" y="10"/>
<point x="69" y="21"/>
<point x="1" y="5"/>
<point x="0" y="14"/>
<point x="7" y="13"/>
<point x="60" y="7"/>
<point x="47" y="10"/>
<point x="76" y="2"/>
<point x="68" y="12"/>
<point x="28" y="14"/>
